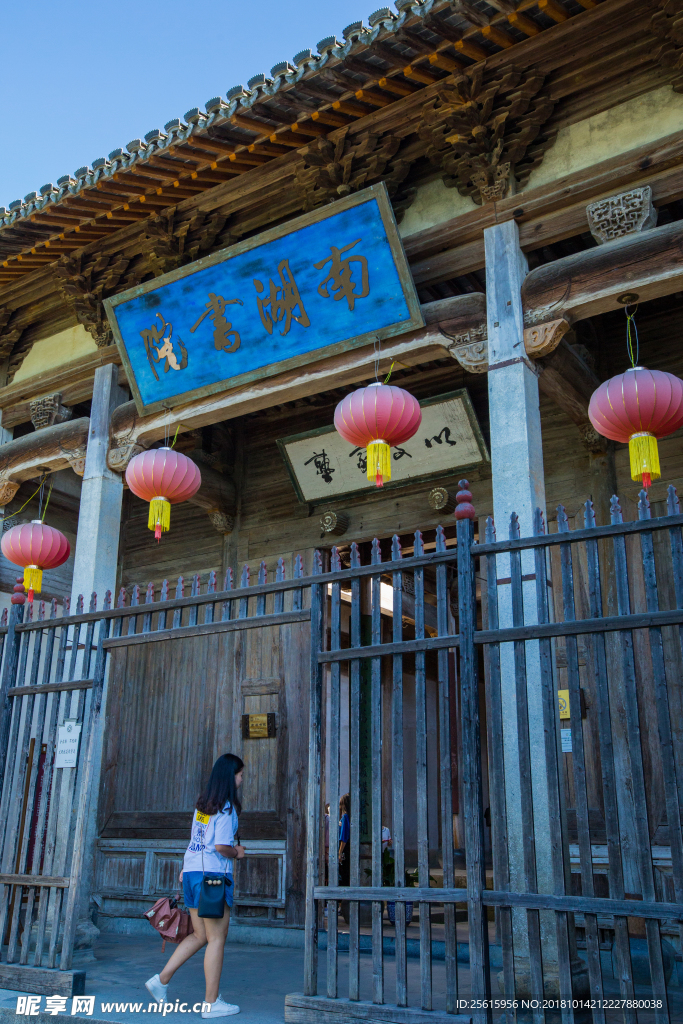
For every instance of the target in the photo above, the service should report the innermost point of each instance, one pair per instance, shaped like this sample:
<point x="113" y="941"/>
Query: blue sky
<point x="79" y="79"/>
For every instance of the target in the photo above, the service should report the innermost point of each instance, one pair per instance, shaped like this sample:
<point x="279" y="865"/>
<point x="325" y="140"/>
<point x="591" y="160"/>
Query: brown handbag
<point x="172" y="922"/>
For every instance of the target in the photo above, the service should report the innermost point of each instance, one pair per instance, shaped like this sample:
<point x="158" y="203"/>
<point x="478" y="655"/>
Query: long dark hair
<point x="221" y="788"/>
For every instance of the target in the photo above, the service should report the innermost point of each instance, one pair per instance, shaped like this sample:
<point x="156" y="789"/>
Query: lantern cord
<point x="40" y="496"/>
<point x="49" y="493"/>
<point x="630" y="322"/>
<point x="176" y="436"/>
<point x="13" y="514"/>
<point x="377" y="349"/>
<point x="386" y="379"/>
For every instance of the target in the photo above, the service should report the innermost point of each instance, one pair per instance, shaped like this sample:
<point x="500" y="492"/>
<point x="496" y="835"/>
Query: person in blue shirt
<point x="212" y="848"/>
<point x="344" y="839"/>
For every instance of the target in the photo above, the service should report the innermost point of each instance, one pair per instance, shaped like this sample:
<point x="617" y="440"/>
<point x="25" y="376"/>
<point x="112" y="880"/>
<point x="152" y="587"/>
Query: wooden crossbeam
<point x="72" y="684"/>
<point x="40" y="881"/>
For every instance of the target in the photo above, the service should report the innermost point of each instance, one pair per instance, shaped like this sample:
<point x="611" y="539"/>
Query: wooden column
<point x="518" y="486"/>
<point x="99" y="516"/>
<point x="95" y="566"/>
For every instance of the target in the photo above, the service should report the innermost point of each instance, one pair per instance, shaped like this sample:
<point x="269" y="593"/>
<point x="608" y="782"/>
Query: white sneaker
<point x="220" y="1009"/>
<point x="156" y="989"/>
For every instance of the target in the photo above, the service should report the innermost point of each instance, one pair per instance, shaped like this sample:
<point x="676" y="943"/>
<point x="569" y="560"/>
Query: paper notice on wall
<point x="566" y="738"/>
<point x="68" y="738"/>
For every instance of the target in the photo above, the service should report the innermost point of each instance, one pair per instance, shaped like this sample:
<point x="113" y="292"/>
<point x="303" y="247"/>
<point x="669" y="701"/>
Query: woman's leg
<point x="216" y="933"/>
<point x="185" y="949"/>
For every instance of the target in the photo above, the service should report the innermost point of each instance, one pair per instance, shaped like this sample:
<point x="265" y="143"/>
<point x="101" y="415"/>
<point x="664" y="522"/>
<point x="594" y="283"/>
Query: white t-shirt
<point x="207" y="831"/>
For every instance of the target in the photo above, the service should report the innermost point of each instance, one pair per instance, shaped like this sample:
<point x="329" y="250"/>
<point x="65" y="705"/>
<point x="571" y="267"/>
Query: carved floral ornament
<point x="483" y="131"/>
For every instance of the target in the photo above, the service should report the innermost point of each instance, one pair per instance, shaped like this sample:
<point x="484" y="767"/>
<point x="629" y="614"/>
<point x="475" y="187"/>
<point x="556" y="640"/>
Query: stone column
<point x="518" y="486"/>
<point x="99" y="517"/>
<point x="95" y="565"/>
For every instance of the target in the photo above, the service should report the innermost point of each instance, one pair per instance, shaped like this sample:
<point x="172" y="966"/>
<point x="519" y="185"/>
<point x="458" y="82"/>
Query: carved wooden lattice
<point x="482" y="130"/>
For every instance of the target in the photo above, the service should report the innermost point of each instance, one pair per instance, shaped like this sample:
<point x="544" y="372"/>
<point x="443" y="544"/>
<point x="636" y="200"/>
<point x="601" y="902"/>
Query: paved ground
<point x="257" y="978"/>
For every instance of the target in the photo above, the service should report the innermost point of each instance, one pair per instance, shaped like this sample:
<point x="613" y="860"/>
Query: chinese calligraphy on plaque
<point x="328" y="281"/>
<point x="323" y="465"/>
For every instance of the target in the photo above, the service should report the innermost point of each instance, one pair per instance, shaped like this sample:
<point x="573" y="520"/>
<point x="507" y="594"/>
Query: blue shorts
<point x="192" y="884"/>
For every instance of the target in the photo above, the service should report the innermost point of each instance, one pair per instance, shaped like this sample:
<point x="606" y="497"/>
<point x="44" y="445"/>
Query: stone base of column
<point x="551" y="979"/>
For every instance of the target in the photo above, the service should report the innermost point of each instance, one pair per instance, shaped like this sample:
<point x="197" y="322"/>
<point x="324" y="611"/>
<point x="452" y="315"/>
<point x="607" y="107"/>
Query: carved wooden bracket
<point x="119" y="456"/>
<point x="222" y="521"/>
<point x="47" y="411"/>
<point x="543" y="339"/>
<point x="471" y="347"/>
<point x="9" y="334"/>
<point x="483" y="129"/>
<point x="8" y="488"/>
<point x="84" y="282"/>
<point x="667" y="25"/>
<point x="75" y="456"/>
<point x="333" y="169"/>
<point x="623" y="214"/>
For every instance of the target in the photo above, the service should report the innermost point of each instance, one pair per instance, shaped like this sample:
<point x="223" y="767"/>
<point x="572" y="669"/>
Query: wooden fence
<point x="517" y="621"/>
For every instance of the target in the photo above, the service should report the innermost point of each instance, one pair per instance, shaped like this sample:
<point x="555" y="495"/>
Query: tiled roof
<point x="396" y="53"/>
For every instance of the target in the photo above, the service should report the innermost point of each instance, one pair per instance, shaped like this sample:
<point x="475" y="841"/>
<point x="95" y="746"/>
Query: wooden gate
<point x="51" y="696"/>
<point x="619" y="588"/>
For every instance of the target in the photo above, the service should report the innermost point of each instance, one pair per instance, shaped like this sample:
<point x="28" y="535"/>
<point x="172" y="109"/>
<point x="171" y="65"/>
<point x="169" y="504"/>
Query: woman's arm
<point x="233" y="852"/>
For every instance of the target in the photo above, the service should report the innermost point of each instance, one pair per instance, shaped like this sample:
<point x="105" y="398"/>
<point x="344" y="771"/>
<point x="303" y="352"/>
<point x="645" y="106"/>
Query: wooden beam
<point x="74" y="684"/>
<point x="228" y="626"/>
<point x="50" y="448"/>
<point x="647" y="265"/>
<point x="45" y="981"/>
<point x="547" y="213"/>
<point x="51" y="881"/>
<point x="300" y="1009"/>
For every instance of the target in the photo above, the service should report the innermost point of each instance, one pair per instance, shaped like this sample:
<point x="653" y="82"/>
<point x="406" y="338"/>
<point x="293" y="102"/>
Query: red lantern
<point x="375" y="418"/>
<point x="639" y="406"/>
<point x="162" y="477"/>
<point x="35" y="547"/>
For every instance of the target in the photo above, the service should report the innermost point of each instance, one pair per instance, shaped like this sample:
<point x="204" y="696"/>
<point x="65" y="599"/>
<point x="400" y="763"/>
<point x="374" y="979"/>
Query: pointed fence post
<point x="12" y="644"/>
<point x="313" y="789"/>
<point x="472" y="782"/>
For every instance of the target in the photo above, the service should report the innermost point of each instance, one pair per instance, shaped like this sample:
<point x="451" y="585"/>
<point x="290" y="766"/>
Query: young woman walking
<point x="212" y="849"/>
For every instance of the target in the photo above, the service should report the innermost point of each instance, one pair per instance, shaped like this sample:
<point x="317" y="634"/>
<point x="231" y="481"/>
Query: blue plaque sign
<point x="321" y="284"/>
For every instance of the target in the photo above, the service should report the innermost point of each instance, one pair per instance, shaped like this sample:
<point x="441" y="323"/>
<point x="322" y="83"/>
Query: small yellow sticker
<point x="563" y="697"/>
<point x="203" y="819"/>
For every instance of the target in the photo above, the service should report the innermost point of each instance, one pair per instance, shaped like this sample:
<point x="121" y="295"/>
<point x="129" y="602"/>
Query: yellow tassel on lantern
<point x="159" y="516"/>
<point x="33" y="578"/>
<point x="379" y="462"/>
<point x="642" y="449"/>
